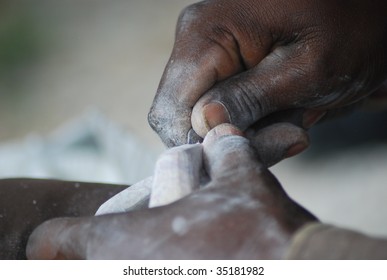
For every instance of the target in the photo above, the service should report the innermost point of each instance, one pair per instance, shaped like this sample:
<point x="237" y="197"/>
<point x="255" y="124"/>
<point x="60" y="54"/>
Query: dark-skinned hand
<point x="243" y="212"/>
<point x="238" y="61"/>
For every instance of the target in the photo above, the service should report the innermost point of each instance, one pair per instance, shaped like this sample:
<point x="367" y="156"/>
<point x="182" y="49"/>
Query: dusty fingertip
<point x="220" y="131"/>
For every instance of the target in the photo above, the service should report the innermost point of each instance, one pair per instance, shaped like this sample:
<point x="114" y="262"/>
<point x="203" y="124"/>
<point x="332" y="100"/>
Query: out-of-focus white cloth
<point x="89" y="148"/>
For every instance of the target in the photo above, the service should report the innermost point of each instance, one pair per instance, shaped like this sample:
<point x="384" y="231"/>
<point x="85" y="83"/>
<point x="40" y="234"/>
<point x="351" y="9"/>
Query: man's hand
<point x="238" y="61"/>
<point x="243" y="213"/>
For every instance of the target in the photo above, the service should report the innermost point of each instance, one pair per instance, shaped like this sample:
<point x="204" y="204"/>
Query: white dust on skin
<point x="268" y="232"/>
<point x="171" y="121"/>
<point x="222" y="203"/>
<point x="230" y="201"/>
<point x="171" y="111"/>
<point x="180" y="226"/>
<point x="239" y="161"/>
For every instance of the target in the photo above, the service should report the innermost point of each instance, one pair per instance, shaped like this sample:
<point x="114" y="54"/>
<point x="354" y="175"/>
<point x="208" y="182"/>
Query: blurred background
<point x="77" y="78"/>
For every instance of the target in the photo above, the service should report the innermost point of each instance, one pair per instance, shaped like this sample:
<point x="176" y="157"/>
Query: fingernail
<point x="215" y="113"/>
<point x="311" y="117"/>
<point x="295" y="149"/>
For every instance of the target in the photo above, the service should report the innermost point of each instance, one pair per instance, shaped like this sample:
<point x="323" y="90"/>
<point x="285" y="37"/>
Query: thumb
<point x="281" y="81"/>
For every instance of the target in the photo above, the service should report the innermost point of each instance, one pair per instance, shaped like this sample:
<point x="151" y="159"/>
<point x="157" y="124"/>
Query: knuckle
<point x="169" y="121"/>
<point x="246" y="104"/>
<point x="153" y="119"/>
<point x="190" y="15"/>
<point x="158" y="123"/>
<point x="251" y="101"/>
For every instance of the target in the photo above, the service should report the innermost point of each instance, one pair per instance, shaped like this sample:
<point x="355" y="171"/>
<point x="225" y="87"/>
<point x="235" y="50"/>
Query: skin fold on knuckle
<point x="247" y="103"/>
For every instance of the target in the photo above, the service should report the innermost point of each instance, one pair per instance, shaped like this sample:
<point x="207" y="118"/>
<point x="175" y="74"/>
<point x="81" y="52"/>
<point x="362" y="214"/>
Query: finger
<point x="282" y="80"/>
<point x="304" y="118"/>
<point x="280" y="135"/>
<point x="227" y="152"/>
<point x="63" y="238"/>
<point x="279" y="141"/>
<point x="177" y="173"/>
<point x="199" y="59"/>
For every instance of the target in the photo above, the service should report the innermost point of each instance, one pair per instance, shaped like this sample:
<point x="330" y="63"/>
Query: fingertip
<point x="226" y="151"/>
<point x="279" y="141"/>
<point x="219" y="131"/>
